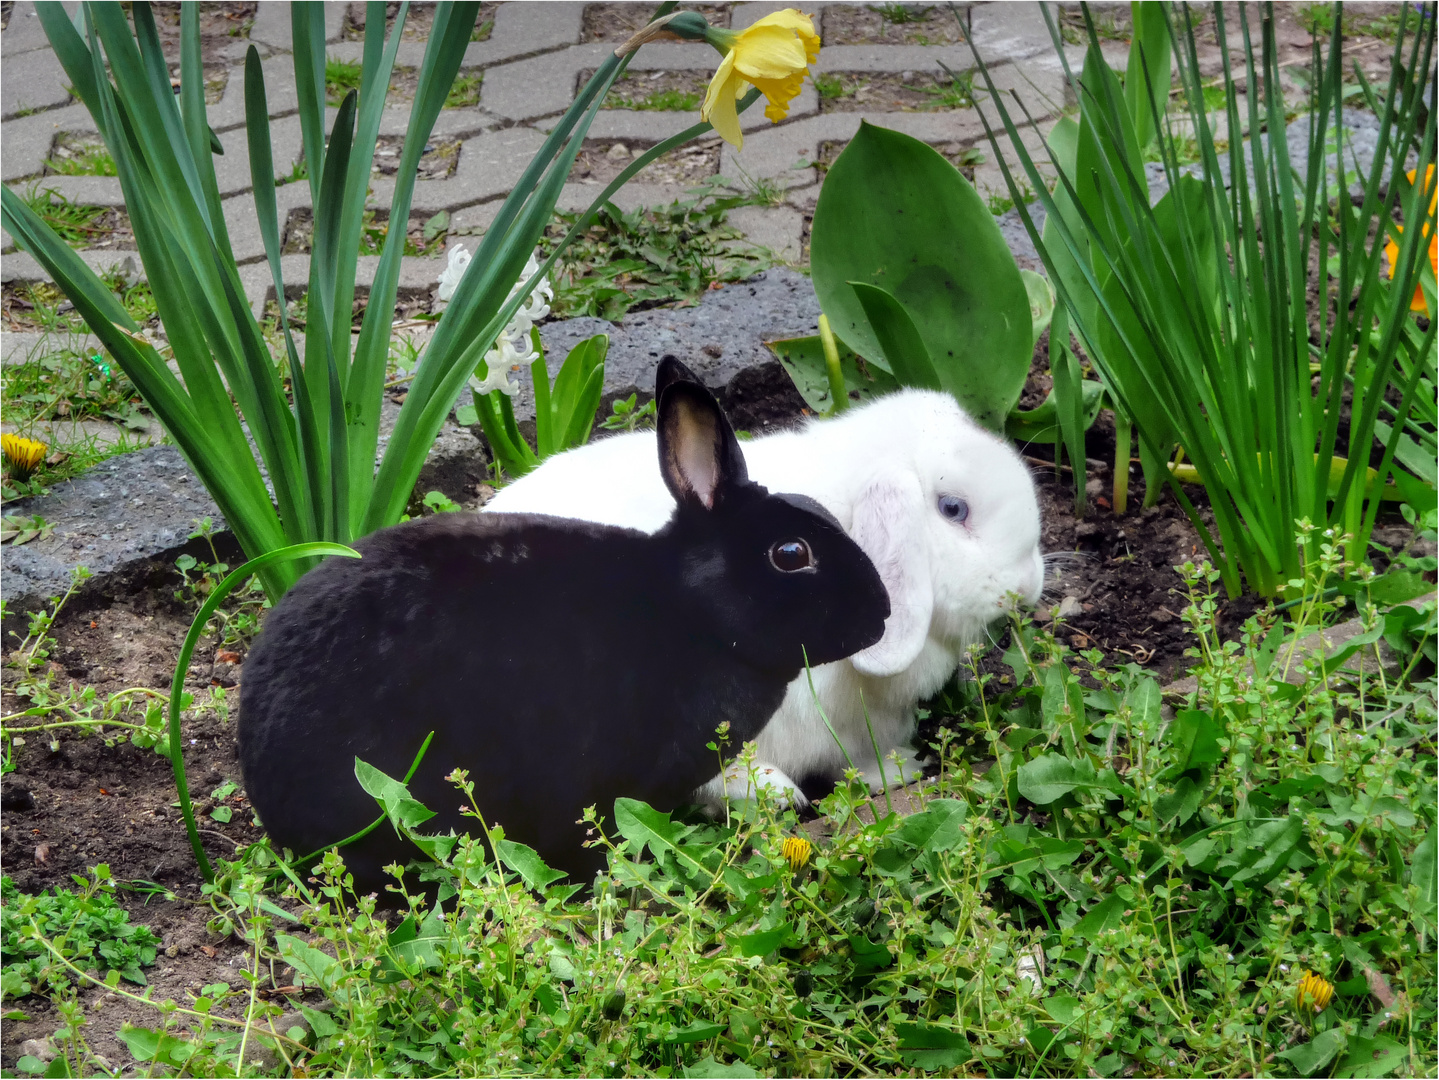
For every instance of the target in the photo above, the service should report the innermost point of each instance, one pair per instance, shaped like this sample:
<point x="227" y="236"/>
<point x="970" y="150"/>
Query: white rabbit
<point x="945" y="510"/>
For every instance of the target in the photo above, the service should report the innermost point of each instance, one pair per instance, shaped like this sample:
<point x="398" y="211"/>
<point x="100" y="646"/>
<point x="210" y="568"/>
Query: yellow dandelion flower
<point x="796" y="851"/>
<point x="773" y="54"/>
<point x="22" y="455"/>
<point x="1314" y="993"/>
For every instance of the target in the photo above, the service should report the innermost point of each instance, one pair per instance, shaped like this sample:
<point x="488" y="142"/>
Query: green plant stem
<point x="182" y="668"/>
<point x="1123" y="437"/>
<point x="372" y="826"/>
<point x="839" y="399"/>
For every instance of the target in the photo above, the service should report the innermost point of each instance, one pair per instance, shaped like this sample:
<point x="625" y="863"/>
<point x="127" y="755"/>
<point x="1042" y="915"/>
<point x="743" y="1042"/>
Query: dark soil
<point x="438" y="161"/>
<point x="600" y="161"/>
<point x="908" y="91"/>
<point x="963" y="156"/>
<point x="418" y="21"/>
<point x="866" y="24"/>
<point x="620" y="22"/>
<point x="300" y="231"/>
<point x="5" y="9"/>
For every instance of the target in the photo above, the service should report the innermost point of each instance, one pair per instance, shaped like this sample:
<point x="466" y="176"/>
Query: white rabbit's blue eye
<point x="791" y="556"/>
<point x="953" y="507"/>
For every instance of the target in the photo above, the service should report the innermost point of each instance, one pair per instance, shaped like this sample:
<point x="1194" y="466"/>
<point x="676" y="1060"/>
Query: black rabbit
<point x="562" y="663"/>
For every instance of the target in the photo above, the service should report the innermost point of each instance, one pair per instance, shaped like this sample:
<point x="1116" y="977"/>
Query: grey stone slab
<point x="722" y="339"/>
<point x="667" y="56"/>
<point x="334" y="20"/>
<point x="272" y="26"/>
<point x="140" y="508"/>
<point x="778" y="228"/>
<point x="489" y="165"/>
<point x="1008" y="31"/>
<point x="25" y="32"/>
<point x="20" y="266"/>
<point x="32" y="80"/>
<point x="539" y="86"/>
<point x="87" y="190"/>
<point x="280" y="97"/>
<point x="745" y="15"/>
<point x="898" y="58"/>
<point x="524" y="29"/>
<point x="18" y="347"/>
<point x="637" y="125"/>
<point x="28" y="139"/>
<point x="127" y="510"/>
<point x="579" y="195"/>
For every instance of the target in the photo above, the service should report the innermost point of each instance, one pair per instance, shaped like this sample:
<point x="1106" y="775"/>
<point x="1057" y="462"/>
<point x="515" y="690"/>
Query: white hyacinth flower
<point x="513" y="347"/>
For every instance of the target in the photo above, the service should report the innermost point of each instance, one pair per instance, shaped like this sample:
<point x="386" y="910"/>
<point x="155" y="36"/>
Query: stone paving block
<point x="28" y="139"/>
<point x="539" y="86"/>
<point x="334" y="20"/>
<point x="637" y="125"/>
<point x="579" y="196"/>
<point x="745" y="15"/>
<point x="525" y="29"/>
<point x="17" y="346"/>
<point x="272" y="26"/>
<point x="1008" y="31"/>
<point x="25" y="32"/>
<point x="32" y="80"/>
<point x="778" y="228"/>
<point x="280" y="97"/>
<point x="21" y="266"/>
<point x="722" y="339"/>
<point x="489" y="165"/>
<point x="989" y="177"/>
<point x="87" y="190"/>
<point x="898" y="58"/>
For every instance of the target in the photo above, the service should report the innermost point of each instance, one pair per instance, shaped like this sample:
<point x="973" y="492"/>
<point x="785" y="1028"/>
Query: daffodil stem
<point x="838" y="395"/>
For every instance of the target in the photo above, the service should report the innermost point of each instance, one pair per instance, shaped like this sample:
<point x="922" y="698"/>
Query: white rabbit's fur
<point x="880" y="469"/>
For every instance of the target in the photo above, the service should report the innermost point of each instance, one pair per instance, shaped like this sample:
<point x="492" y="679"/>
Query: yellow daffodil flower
<point x="1391" y="249"/>
<point x="23" y="455"/>
<point x="774" y="54"/>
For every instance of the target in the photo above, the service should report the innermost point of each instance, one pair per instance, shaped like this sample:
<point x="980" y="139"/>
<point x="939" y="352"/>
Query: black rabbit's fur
<point x="561" y="663"/>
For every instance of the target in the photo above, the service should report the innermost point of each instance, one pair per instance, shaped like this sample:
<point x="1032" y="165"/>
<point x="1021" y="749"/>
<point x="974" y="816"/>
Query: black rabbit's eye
<point x="789" y="556"/>
<point x="953" y="507"/>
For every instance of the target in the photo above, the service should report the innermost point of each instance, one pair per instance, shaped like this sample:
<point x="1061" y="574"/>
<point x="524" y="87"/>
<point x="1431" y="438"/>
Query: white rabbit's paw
<point x="737" y="784"/>
<point x="909" y="769"/>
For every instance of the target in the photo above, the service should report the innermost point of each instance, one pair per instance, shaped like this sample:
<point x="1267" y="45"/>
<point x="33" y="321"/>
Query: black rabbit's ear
<point x="671" y="371"/>
<point x="700" y="457"/>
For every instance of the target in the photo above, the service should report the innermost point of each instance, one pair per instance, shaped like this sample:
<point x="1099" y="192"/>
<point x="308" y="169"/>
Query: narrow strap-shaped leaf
<point x="582" y="415"/>
<point x="547" y="407"/>
<point x="307" y="29"/>
<point x="257" y="127"/>
<point x="378" y="63"/>
<point x="197" y="127"/>
<point x="443" y="55"/>
<point x="74" y="55"/>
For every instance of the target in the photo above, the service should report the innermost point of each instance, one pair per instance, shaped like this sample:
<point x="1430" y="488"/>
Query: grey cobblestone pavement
<point x="531" y="65"/>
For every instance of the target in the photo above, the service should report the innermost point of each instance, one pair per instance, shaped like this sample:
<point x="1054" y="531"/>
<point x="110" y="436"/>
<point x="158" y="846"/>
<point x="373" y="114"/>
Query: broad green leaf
<point x="1042" y="424"/>
<point x="935" y="828"/>
<point x="1424" y="872"/>
<point x="526" y="862"/>
<point x="708" y="1067"/>
<point x="1147" y="78"/>
<point x="893" y="213"/>
<point x="803" y="360"/>
<point x="1041" y="303"/>
<point x="393" y="796"/>
<point x="1378" y="1056"/>
<point x="1309" y="1059"/>
<point x="1108" y="914"/>
<point x="764" y="942"/>
<point x="899" y="339"/>
<point x="1048" y="778"/>
<point x="695" y="1031"/>
<point x="322" y="969"/>
<point x="930" y="1047"/>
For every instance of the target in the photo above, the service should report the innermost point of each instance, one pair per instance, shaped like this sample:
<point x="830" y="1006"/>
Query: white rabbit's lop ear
<point x="700" y="458"/>
<point x="889" y="527"/>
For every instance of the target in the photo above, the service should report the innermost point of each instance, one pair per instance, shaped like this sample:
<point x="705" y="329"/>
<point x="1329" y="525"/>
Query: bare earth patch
<point x="866" y="24"/>
<point x="418" y="21"/>
<point x="905" y="91"/>
<point x="620" y="22"/>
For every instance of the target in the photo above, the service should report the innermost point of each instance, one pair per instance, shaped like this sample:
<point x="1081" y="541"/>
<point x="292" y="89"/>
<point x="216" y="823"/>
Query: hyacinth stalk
<point x="317" y="437"/>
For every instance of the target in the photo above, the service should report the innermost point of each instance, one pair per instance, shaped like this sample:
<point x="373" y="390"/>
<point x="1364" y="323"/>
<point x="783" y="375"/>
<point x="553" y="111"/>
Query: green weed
<point x="80" y="157"/>
<point x="899" y="14"/>
<point x="465" y="91"/>
<point x="957" y="93"/>
<point x="1318" y="21"/>
<point x="341" y="76"/>
<point x="653" y="256"/>
<point x="77" y="225"/>
<point x="88" y="928"/>
<point x="482" y="30"/>
<point x="625" y="416"/>
<point x="830" y="87"/>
